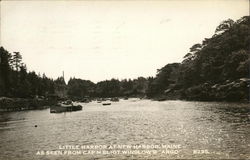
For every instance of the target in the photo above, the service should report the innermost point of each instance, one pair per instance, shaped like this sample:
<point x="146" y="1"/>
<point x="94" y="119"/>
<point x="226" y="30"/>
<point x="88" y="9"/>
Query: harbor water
<point x="133" y="128"/>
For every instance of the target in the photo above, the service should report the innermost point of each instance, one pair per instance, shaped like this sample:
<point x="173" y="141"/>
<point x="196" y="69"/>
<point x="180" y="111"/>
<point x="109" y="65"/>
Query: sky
<point x="103" y="39"/>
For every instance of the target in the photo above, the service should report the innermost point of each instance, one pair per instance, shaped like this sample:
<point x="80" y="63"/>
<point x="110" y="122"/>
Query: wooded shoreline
<point x="234" y="91"/>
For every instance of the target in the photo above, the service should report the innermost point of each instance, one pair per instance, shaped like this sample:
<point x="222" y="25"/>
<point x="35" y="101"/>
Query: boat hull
<point x="106" y="104"/>
<point x="60" y="109"/>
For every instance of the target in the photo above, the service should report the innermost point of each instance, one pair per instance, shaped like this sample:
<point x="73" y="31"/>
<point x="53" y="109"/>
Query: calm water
<point x="217" y="130"/>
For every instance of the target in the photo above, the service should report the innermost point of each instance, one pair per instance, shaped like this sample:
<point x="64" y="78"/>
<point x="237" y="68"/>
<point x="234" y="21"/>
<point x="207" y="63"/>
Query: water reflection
<point x="221" y="128"/>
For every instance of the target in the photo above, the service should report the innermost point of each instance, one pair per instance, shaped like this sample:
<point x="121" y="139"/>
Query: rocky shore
<point x="19" y="104"/>
<point x="231" y="91"/>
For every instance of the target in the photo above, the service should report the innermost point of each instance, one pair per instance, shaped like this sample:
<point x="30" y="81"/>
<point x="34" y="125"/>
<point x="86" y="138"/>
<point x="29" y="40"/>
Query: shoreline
<point x="22" y="104"/>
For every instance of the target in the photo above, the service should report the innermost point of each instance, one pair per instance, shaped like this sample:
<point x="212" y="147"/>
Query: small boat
<point x="161" y="99"/>
<point x="105" y="104"/>
<point x="115" y="99"/>
<point x="104" y="99"/>
<point x="85" y="100"/>
<point x="65" y="107"/>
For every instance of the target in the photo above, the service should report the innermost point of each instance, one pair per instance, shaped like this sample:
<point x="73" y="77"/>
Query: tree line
<point x="78" y="88"/>
<point x="215" y="69"/>
<point x="16" y="81"/>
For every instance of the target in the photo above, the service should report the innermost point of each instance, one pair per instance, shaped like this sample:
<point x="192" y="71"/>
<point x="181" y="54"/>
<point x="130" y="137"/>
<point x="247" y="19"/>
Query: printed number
<point x="200" y="151"/>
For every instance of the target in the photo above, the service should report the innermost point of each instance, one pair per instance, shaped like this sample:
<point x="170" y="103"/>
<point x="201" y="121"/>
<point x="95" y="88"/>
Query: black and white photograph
<point x="124" y="79"/>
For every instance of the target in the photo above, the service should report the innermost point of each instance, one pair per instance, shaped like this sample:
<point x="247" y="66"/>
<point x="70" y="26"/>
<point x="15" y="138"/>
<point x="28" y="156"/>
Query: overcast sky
<point x="98" y="40"/>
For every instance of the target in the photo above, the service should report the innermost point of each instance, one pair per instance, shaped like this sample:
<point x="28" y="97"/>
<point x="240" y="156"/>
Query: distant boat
<point x="105" y="104"/>
<point x="103" y="99"/>
<point x="114" y="99"/>
<point x="161" y="99"/>
<point x="85" y="100"/>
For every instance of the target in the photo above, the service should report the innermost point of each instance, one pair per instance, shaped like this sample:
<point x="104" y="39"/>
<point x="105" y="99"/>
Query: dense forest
<point x="16" y="81"/>
<point x="217" y="69"/>
<point x="78" y="88"/>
